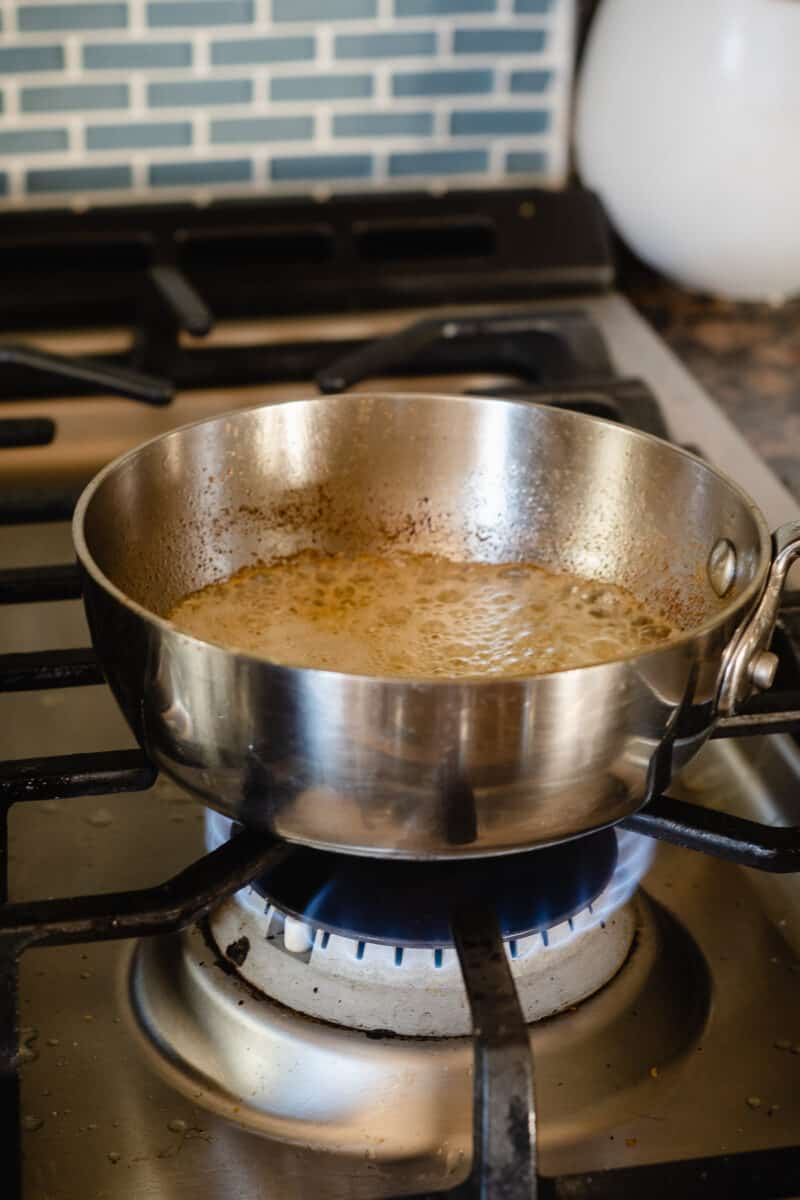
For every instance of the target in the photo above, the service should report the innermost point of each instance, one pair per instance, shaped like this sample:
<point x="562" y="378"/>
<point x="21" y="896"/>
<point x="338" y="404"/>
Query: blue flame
<point x="317" y="905"/>
<point x="635" y="854"/>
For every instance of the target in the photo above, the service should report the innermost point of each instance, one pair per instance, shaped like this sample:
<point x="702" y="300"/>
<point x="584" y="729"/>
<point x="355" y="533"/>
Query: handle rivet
<point x="722" y="566"/>
<point x="762" y="670"/>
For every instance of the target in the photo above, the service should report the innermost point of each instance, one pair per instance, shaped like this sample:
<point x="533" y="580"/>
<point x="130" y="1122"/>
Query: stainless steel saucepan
<point x="426" y="768"/>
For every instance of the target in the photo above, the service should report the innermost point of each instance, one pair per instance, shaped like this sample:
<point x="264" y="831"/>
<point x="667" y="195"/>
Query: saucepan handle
<point x="748" y="665"/>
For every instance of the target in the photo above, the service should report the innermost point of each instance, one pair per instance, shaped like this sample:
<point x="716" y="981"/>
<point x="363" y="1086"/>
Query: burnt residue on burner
<point x="238" y="951"/>
<point x="227" y="967"/>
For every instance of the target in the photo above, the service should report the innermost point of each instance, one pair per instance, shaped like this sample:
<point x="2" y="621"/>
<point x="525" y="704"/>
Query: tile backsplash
<point x="194" y="99"/>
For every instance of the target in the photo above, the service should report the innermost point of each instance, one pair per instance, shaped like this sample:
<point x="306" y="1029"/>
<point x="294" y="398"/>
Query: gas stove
<point x="279" y="1021"/>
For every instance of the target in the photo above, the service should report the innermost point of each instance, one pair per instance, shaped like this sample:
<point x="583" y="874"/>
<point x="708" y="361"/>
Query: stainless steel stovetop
<point x="693" y="1049"/>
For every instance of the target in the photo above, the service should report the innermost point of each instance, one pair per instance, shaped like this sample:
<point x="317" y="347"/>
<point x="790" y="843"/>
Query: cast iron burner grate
<point x="556" y="357"/>
<point x="171" y="266"/>
<point x="169" y="270"/>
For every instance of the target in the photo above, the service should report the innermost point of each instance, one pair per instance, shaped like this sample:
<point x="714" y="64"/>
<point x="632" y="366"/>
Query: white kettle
<point x="688" y="126"/>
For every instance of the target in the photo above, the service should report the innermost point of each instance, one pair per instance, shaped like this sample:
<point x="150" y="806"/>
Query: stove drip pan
<point x="377" y="1097"/>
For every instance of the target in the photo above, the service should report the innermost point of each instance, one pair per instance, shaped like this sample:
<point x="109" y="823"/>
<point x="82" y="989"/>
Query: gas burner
<point x="367" y="945"/>
<point x="414" y="992"/>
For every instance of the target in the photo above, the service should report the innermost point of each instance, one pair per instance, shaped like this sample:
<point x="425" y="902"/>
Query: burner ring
<point x="408" y="904"/>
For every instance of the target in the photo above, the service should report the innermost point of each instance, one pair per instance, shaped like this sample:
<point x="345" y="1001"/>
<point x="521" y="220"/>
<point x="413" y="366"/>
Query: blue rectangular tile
<point x="439" y="162"/>
<point x="238" y="170"/>
<point x="321" y="87"/>
<point x="74" y="97"/>
<point x="384" y="45"/>
<point x="30" y="58"/>
<point x="443" y="83"/>
<point x="499" y="121"/>
<point x="261" y="129"/>
<point x="526" y="162"/>
<point x="499" y="41"/>
<point x="199" y="13"/>
<point x="142" y="135"/>
<point x="323" y="10"/>
<point x="537" y="7"/>
<point x="3" y="183"/>
<point x="132" y="55"/>
<point x="436" y="8"/>
<point x="43" y="18"/>
<point x="77" y="179"/>
<point x="32" y="141"/>
<point x="189" y="92"/>
<point x="531" y="81"/>
<point x="322" y="167"/>
<point x="246" y="51"/>
<point x="401" y="124"/>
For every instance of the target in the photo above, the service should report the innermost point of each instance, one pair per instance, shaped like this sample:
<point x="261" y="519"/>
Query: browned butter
<point x="417" y="615"/>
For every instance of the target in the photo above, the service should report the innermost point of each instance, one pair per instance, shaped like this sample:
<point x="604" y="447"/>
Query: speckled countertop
<point x="746" y="355"/>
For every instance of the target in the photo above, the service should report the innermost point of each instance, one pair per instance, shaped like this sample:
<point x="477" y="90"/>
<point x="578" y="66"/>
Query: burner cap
<point x="405" y="903"/>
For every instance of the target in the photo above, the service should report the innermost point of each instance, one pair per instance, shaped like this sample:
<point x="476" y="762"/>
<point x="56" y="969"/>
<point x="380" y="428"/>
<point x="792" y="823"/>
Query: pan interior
<point x="467" y="478"/>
